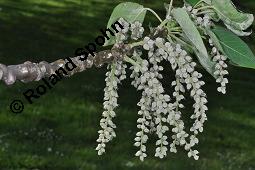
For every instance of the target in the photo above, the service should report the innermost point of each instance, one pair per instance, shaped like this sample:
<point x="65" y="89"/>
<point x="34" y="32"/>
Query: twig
<point x="29" y="71"/>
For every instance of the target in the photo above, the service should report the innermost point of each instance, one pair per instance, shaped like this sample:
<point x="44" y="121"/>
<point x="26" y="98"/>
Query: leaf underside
<point x="235" y="20"/>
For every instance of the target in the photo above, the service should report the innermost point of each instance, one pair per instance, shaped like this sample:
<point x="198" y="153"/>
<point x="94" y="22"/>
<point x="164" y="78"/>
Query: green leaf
<point x="235" y="48"/>
<point x="232" y="18"/>
<point x="130" y="11"/>
<point x="194" y="37"/>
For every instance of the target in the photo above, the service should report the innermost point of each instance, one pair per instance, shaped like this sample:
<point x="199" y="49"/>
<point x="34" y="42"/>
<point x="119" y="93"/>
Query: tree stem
<point x="30" y="71"/>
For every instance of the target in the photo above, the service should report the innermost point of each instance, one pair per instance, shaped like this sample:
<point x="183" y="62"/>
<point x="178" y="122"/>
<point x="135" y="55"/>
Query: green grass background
<point x="59" y="131"/>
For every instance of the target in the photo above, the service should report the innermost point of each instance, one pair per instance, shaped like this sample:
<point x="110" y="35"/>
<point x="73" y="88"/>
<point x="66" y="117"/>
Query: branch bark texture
<point x="29" y="71"/>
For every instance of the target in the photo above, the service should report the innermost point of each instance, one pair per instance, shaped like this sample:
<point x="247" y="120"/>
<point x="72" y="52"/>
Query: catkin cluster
<point x="205" y="21"/>
<point x="161" y="113"/>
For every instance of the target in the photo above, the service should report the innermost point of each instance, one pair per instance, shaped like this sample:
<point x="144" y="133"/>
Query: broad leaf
<point x="234" y="19"/>
<point x="130" y="11"/>
<point x="194" y="37"/>
<point x="235" y="48"/>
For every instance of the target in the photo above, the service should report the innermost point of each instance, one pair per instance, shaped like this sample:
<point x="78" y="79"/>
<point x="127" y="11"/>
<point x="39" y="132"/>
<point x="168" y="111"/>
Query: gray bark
<point x="29" y="71"/>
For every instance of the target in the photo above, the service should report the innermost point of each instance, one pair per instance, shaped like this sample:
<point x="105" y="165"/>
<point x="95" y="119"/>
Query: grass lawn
<point x="59" y="130"/>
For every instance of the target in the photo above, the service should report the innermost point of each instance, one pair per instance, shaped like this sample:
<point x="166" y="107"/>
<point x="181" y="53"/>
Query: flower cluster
<point x="116" y="74"/>
<point x="153" y="103"/>
<point x="133" y="30"/>
<point x="181" y="33"/>
<point x="220" y="68"/>
<point x="143" y="122"/>
<point x="136" y="30"/>
<point x="185" y="74"/>
<point x="159" y="112"/>
<point x="159" y="106"/>
<point x="200" y="20"/>
<point x="220" y="65"/>
<point x="156" y="106"/>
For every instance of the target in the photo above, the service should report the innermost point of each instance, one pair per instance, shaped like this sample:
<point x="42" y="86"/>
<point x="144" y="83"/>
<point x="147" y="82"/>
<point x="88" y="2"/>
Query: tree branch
<point x="29" y="71"/>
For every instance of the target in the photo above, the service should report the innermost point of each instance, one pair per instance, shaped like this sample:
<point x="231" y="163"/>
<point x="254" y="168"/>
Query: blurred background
<point x="59" y="131"/>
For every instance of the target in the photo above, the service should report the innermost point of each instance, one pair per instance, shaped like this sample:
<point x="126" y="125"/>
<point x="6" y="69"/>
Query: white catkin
<point x="174" y="116"/>
<point x="220" y="72"/>
<point x="133" y="30"/>
<point x="160" y="106"/>
<point x="158" y="113"/>
<point x="156" y="108"/>
<point x="157" y="105"/>
<point x="185" y="74"/>
<point x="114" y="76"/>
<point x="116" y="73"/>
<point x="145" y="117"/>
<point x="199" y="20"/>
<point x="154" y="99"/>
<point x="136" y="30"/>
<point x="220" y="68"/>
